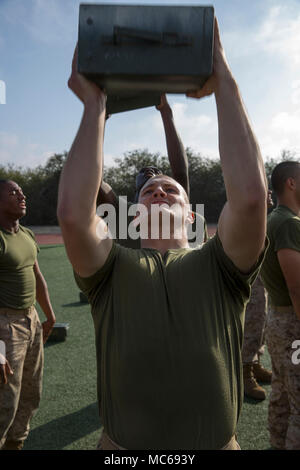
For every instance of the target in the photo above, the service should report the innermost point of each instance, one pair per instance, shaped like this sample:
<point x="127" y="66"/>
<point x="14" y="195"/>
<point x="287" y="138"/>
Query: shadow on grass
<point x="74" y="304"/>
<point x="251" y="401"/>
<point x="61" y="432"/>
<point x="50" y="343"/>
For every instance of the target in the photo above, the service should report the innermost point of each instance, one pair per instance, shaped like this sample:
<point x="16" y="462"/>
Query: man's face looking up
<point x="165" y="192"/>
<point x="12" y="200"/>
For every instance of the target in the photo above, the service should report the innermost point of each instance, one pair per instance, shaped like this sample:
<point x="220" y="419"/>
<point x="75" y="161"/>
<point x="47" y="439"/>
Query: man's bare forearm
<point x="106" y="195"/>
<point x="82" y="173"/>
<point x="241" y="160"/>
<point x="42" y="296"/>
<point x="176" y="152"/>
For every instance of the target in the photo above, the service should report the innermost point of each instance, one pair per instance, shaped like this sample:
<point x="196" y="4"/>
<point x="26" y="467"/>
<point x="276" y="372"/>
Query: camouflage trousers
<point x="255" y="320"/>
<point x="283" y="328"/>
<point x="21" y="332"/>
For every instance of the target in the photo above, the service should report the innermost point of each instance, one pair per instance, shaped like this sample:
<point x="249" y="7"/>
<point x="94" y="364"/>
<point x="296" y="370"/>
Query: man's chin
<point x="22" y="213"/>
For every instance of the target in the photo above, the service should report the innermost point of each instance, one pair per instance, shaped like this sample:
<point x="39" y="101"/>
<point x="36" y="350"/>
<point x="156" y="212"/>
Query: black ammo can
<point x="59" y="332"/>
<point x="138" y="52"/>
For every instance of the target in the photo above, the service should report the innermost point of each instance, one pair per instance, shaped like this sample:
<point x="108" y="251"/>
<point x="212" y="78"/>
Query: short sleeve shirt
<point x="168" y="336"/>
<point x="18" y="253"/>
<point x="283" y="231"/>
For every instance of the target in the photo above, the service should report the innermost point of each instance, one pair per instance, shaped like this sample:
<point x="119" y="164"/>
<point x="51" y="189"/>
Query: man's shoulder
<point x="27" y="231"/>
<point x="281" y="220"/>
<point x="279" y="215"/>
<point x="5" y="238"/>
<point x="283" y="231"/>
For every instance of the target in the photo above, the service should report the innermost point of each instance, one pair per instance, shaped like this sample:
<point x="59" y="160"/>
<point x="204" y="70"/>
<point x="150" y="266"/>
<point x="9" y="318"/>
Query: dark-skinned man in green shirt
<point x="21" y="333"/>
<point x="281" y="277"/>
<point x="168" y="318"/>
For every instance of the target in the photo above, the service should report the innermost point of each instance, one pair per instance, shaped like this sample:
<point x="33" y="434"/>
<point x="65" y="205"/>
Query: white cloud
<point x="48" y="21"/>
<point x="282" y="133"/>
<point x="198" y="131"/>
<point x="270" y="50"/>
<point x="295" y="97"/>
<point x="190" y="121"/>
<point x="8" y="144"/>
<point x="143" y="129"/>
<point x="2" y="92"/>
<point x="109" y="159"/>
<point x="280" y="33"/>
<point x="277" y="34"/>
<point x="286" y="124"/>
<point x="14" y="150"/>
<point x="272" y="145"/>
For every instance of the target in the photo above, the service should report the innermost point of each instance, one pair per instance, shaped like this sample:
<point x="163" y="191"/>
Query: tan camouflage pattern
<point x="20" y="397"/>
<point x="282" y="330"/>
<point x="106" y="443"/>
<point x="255" y="320"/>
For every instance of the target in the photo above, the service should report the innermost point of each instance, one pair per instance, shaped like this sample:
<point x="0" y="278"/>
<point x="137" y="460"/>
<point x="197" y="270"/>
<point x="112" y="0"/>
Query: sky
<point x="39" y="115"/>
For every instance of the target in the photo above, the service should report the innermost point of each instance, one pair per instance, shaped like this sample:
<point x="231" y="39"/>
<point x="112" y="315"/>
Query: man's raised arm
<point x="83" y="231"/>
<point x="242" y="224"/>
<point x="106" y="194"/>
<point x="176" y="152"/>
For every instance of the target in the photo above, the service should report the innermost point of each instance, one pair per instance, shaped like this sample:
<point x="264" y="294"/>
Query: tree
<point x="121" y="176"/>
<point x="40" y="185"/>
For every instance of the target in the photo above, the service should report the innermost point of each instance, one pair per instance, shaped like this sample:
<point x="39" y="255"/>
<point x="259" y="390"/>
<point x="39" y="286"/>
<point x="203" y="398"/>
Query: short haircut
<point x="142" y="177"/>
<point x="171" y="178"/>
<point x="2" y="183"/>
<point x="282" y="172"/>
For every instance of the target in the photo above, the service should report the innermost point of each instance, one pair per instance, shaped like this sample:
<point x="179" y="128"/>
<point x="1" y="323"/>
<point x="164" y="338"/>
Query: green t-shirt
<point x="283" y="231"/>
<point x="18" y="253"/>
<point x="168" y="336"/>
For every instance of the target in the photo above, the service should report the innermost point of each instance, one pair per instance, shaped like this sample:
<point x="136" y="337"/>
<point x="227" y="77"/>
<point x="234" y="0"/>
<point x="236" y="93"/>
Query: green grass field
<point x="68" y="413"/>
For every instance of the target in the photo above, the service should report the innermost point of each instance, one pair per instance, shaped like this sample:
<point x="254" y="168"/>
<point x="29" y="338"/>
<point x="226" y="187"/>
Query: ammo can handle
<point x="167" y="39"/>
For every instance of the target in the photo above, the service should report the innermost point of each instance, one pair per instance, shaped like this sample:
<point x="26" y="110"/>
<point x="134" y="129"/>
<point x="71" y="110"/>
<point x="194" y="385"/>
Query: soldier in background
<point x="254" y="339"/>
<point x="22" y="284"/>
<point x="280" y="274"/>
<point x="253" y="346"/>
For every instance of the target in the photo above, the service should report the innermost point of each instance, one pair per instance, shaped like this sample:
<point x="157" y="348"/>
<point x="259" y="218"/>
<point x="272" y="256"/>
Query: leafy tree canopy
<point x="40" y="184"/>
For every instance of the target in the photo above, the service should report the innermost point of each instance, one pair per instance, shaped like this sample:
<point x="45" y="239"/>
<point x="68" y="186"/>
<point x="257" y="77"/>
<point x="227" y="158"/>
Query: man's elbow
<point x="256" y="200"/>
<point x="66" y="216"/>
<point x="62" y="215"/>
<point x="74" y="224"/>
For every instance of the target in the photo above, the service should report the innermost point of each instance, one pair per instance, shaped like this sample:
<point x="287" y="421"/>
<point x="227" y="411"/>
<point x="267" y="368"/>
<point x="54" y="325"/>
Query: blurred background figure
<point x="254" y="338"/>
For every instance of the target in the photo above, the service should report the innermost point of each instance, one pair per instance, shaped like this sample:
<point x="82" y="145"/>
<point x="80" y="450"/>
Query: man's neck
<point x="290" y="203"/>
<point x="163" y="245"/>
<point x="11" y="225"/>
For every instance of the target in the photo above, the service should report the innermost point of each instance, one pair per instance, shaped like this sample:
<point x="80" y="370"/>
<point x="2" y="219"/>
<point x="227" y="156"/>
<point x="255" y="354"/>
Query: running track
<point x="56" y="238"/>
